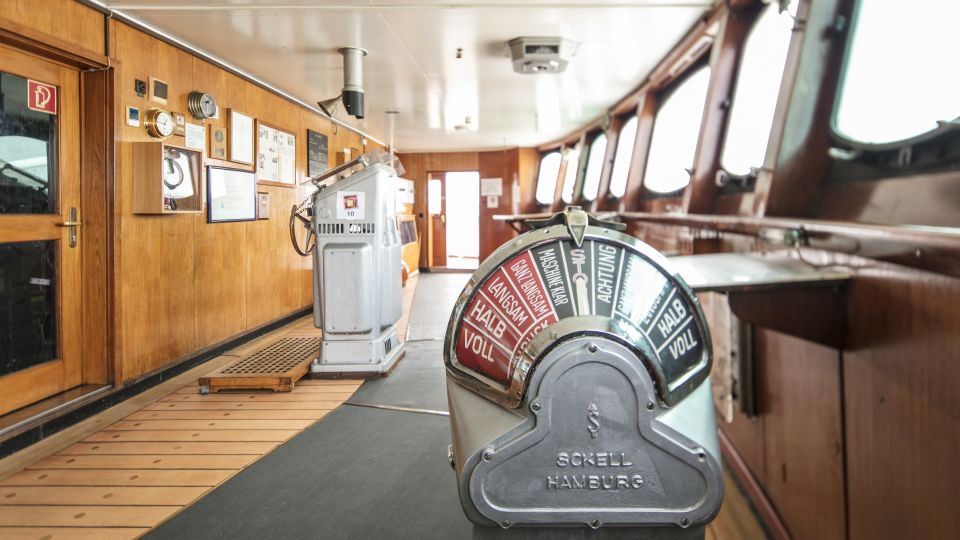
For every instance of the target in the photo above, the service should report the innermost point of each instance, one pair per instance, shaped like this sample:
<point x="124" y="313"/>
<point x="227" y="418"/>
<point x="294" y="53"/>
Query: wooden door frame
<point x="443" y="212"/>
<point x="98" y="213"/>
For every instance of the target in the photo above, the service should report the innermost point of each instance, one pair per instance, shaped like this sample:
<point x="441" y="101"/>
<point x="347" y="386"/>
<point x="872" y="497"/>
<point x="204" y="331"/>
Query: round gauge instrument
<point x="159" y="123"/>
<point x="201" y="105"/>
<point x="611" y="285"/>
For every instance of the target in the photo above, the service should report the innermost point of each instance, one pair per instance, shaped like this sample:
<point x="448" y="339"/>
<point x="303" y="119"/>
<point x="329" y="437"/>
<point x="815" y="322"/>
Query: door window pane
<point x="27" y="152"/>
<point x="591" y="179"/>
<point x="434" y="204"/>
<point x="547" y="177"/>
<point x="28" y="314"/>
<point x="675" y="133"/>
<point x="756" y="92"/>
<point x="570" y="176"/>
<point x="623" y="157"/>
<point x="899" y="80"/>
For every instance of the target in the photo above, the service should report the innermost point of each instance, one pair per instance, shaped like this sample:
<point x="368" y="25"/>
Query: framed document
<point x="241" y="137"/>
<point x="232" y="195"/>
<point x="276" y="156"/>
<point x="317" y="157"/>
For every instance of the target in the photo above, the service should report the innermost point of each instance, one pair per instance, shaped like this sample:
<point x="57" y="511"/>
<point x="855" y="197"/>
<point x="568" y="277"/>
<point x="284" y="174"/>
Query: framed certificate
<point x="276" y="156"/>
<point x="231" y="195"/>
<point x="241" y="137"/>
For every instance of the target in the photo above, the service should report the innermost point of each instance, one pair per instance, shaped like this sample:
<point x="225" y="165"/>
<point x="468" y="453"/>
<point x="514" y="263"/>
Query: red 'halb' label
<point x="507" y="311"/>
<point x="41" y="97"/>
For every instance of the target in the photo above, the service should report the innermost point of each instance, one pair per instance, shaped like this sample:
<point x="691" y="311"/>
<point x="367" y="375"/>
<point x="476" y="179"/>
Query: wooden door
<point x="39" y="249"/>
<point x="437" y="208"/>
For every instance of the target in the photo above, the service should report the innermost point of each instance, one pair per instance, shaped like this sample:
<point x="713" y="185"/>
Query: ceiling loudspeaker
<point x="352" y="93"/>
<point x="540" y="54"/>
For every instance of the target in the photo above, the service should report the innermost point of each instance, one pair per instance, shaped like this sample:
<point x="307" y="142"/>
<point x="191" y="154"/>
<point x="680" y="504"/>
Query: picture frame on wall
<point x="231" y="195"/>
<point x="241" y="137"/>
<point x="276" y="156"/>
<point x="218" y="142"/>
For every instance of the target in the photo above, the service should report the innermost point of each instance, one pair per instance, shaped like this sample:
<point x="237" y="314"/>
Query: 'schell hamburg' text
<point x="582" y="460"/>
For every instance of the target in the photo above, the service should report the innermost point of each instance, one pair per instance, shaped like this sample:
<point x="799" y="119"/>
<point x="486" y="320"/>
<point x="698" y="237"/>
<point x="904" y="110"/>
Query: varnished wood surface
<point x="121" y="481"/>
<point x="63" y="371"/>
<point x="83" y="36"/>
<point x="217" y="280"/>
<point x="122" y="472"/>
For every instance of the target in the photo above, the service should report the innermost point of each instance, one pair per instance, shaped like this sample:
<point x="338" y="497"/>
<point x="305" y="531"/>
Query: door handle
<point x="73" y="222"/>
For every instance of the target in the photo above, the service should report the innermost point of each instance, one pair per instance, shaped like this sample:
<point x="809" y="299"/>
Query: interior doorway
<point x="453" y="203"/>
<point x="40" y="248"/>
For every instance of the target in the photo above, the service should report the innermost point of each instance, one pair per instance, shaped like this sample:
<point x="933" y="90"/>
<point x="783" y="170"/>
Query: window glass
<point x="547" y="177"/>
<point x="28" y="304"/>
<point x="434" y="204"/>
<point x="756" y="92"/>
<point x="28" y="141"/>
<point x="675" y="133"/>
<point x="591" y="178"/>
<point x="570" y="175"/>
<point x="897" y="81"/>
<point x="623" y="157"/>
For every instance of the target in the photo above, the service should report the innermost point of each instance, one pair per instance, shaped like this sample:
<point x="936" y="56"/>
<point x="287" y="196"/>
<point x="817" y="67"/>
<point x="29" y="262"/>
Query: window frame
<point x="577" y="173"/>
<point x="727" y="181"/>
<point x="585" y="165"/>
<point x="852" y="160"/>
<point x="838" y="137"/>
<point x="556" y="185"/>
<point x="621" y="122"/>
<point x="660" y="96"/>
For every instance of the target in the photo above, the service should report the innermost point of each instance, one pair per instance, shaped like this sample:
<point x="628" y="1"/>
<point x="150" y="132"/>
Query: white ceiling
<point x="412" y="66"/>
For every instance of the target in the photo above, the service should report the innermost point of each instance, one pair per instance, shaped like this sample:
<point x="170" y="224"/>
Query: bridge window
<point x="675" y="134"/>
<point x="570" y="175"/>
<point x="623" y="157"/>
<point x="591" y="179"/>
<point x="896" y="84"/>
<point x="547" y="177"/>
<point x="756" y="92"/>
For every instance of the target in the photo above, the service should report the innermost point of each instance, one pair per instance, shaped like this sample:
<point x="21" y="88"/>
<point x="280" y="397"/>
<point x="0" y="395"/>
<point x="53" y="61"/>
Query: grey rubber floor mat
<point x="432" y="303"/>
<point x="359" y="473"/>
<point x="417" y="382"/>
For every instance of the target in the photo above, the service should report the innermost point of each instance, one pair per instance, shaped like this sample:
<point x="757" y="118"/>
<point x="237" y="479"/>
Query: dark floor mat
<point x="417" y="382"/>
<point x="360" y="473"/>
<point x="432" y="303"/>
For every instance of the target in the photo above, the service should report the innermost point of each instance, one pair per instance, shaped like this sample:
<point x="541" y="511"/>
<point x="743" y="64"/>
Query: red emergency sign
<point x="41" y="97"/>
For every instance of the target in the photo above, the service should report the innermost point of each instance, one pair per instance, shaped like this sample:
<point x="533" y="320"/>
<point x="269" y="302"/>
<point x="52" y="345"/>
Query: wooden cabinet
<point x="167" y="179"/>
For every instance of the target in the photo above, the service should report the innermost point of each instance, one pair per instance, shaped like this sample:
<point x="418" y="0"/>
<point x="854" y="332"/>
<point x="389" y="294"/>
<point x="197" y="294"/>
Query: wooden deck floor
<point x="117" y="475"/>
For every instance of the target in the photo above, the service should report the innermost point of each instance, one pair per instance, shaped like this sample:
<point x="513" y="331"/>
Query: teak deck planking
<point x="123" y="480"/>
<point x="120" y="481"/>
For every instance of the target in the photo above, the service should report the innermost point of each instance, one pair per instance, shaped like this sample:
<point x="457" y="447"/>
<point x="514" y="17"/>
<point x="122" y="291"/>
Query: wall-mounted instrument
<point x="159" y="123"/>
<point x="167" y="179"/>
<point x="202" y="105"/>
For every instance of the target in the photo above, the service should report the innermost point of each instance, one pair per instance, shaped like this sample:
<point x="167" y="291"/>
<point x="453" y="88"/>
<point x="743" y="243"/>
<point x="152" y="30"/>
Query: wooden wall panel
<point x="901" y="375"/>
<point x="799" y="384"/>
<point x="503" y="164"/>
<point x="156" y="301"/>
<point x="69" y="21"/>
<point x="185" y="284"/>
